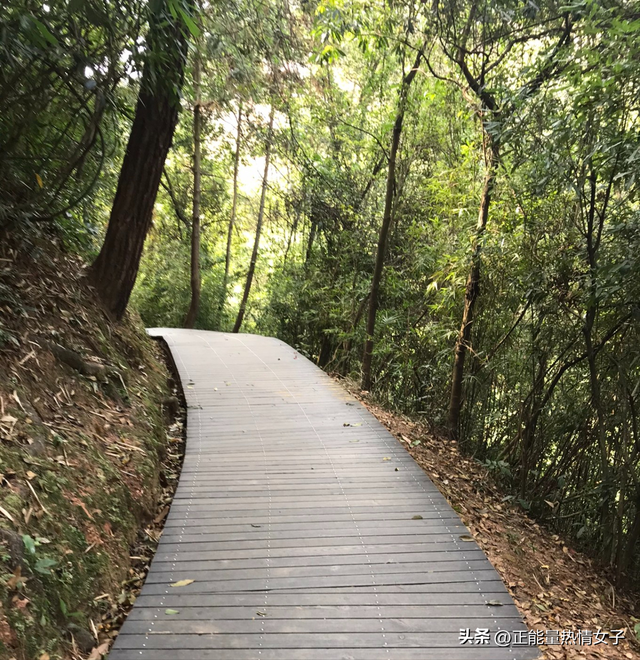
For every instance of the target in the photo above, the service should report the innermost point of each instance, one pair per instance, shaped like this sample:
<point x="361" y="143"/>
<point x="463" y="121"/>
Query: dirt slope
<point x="82" y="444"/>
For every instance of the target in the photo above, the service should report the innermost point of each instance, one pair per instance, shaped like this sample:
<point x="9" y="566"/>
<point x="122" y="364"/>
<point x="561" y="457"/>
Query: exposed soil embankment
<point x="90" y="439"/>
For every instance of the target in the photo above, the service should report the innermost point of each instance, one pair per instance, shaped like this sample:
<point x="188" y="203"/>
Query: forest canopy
<point x="436" y="199"/>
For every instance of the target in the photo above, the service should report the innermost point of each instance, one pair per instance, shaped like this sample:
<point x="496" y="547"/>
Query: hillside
<point x="82" y="444"/>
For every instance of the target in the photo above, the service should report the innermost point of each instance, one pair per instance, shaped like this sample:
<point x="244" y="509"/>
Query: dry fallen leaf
<point x="17" y="577"/>
<point x="182" y="583"/>
<point x="99" y="651"/>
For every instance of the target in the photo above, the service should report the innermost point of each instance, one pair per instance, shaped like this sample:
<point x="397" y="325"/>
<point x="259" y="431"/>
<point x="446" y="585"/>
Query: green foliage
<point x="60" y="70"/>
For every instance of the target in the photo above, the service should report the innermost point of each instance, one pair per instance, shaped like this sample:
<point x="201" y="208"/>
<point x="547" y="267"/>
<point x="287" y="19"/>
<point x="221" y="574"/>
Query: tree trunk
<point x="256" y="243"/>
<point x="632" y="541"/>
<point x="532" y="416"/>
<point x="386" y="223"/>
<point x="472" y="290"/>
<point x="594" y="226"/>
<point x="114" y="271"/>
<point x="196" y="281"/>
<point x="324" y="356"/>
<point x="232" y="219"/>
<point x="292" y="235"/>
<point x="310" y="241"/>
<point x="490" y="110"/>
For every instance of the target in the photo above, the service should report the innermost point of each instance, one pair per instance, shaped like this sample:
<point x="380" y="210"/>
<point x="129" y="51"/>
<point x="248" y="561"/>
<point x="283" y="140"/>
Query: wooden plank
<point x="306" y="551"/>
<point x="294" y="641"/>
<point x="331" y="598"/>
<point x="435" y="559"/>
<point x="192" y="570"/>
<point x="288" y="613"/>
<point x="257" y="625"/>
<point x="307" y="529"/>
<point x="262" y="533"/>
<point x="399" y="514"/>
<point x="321" y="526"/>
<point x="267" y="584"/>
<point x="345" y="653"/>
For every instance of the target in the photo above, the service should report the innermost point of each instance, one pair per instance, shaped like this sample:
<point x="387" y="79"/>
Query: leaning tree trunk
<point x="232" y="219"/>
<point x="386" y="223"/>
<point x="472" y="290"/>
<point x="256" y="243"/>
<point x="114" y="271"/>
<point x="196" y="281"/>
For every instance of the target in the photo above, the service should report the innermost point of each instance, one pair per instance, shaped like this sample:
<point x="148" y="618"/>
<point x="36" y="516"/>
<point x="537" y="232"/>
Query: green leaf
<point x="44" y="31"/>
<point x="189" y="22"/>
<point x="29" y="544"/>
<point x="171" y="6"/>
<point x="169" y="611"/>
<point x="44" y="565"/>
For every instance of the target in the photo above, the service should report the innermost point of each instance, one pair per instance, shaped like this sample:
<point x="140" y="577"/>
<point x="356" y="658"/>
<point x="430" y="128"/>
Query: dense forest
<point x="436" y="199"/>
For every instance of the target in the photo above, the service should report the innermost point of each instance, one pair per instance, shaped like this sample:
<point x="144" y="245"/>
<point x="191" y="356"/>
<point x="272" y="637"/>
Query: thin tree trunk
<point x="386" y="223"/>
<point x="232" y="219"/>
<point x="294" y="229"/>
<point x="532" y="413"/>
<point x="114" y="271"/>
<point x="310" y="241"/>
<point x="472" y="290"/>
<point x="196" y="281"/>
<point x="592" y="239"/>
<point x="256" y="243"/>
<point x="632" y="539"/>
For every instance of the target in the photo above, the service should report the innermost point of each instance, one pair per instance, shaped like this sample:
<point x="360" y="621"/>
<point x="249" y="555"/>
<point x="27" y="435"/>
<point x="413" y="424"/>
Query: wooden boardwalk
<point x="307" y="529"/>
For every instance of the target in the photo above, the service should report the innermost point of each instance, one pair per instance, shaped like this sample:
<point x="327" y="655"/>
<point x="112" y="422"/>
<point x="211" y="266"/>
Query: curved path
<point x="307" y="529"/>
